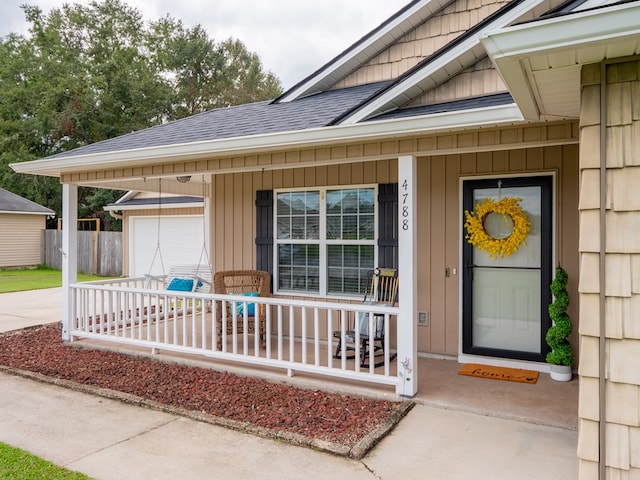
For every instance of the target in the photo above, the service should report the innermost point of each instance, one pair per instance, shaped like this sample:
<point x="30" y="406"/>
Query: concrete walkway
<point x="107" y="439"/>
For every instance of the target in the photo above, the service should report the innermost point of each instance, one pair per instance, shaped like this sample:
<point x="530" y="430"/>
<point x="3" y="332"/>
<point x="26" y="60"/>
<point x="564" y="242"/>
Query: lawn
<point x="35" y="279"/>
<point x="18" y="464"/>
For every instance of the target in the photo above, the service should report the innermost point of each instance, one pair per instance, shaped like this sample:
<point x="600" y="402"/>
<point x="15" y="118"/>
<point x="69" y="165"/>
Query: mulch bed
<point x="341" y="424"/>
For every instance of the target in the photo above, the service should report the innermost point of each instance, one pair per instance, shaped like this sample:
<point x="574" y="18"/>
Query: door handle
<point x="469" y="270"/>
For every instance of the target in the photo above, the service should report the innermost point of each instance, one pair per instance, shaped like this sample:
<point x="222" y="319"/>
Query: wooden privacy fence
<point x="99" y="253"/>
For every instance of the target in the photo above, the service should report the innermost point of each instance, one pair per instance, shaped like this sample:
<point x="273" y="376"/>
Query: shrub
<point x="558" y="335"/>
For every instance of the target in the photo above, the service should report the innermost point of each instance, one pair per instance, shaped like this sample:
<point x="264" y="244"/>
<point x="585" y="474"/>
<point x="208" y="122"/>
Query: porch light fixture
<point x="184" y="179"/>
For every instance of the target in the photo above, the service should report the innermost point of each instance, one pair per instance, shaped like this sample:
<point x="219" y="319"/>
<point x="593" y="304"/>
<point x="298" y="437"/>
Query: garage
<point x="174" y="222"/>
<point x="181" y="239"/>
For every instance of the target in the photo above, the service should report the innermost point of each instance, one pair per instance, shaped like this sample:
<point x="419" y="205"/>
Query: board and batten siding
<point x="21" y="239"/>
<point x="439" y="218"/>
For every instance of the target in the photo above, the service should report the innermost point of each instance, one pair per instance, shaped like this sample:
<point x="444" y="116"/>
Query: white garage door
<point x="181" y="240"/>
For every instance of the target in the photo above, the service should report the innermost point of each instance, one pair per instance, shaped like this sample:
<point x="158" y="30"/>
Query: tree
<point x="89" y="73"/>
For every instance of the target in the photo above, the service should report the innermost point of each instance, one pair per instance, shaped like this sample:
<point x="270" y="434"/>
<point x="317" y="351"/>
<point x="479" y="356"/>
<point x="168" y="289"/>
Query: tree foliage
<point x="88" y="73"/>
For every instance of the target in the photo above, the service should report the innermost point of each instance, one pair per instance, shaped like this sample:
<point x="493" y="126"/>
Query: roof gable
<point x="443" y="64"/>
<point x="379" y="39"/>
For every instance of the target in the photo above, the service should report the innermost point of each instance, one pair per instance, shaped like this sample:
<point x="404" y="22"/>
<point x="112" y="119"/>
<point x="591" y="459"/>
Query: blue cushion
<point x="251" y="307"/>
<point x="182" y="284"/>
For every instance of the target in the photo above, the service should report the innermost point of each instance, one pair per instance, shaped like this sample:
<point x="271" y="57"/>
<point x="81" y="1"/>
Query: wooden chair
<point x="381" y="290"/>
<point x="245" y="283"/>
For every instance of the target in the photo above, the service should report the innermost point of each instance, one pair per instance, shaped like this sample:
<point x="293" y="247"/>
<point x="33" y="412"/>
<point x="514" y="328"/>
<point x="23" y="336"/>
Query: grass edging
<point x="358" y="451"/>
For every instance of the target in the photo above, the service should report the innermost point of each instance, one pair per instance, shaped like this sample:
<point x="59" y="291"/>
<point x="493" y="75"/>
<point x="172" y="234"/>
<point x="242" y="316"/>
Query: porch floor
<point x="546" y="402"/>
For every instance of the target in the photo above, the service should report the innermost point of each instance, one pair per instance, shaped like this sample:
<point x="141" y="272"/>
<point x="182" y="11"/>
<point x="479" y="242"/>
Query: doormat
<point x="499" y="373"/>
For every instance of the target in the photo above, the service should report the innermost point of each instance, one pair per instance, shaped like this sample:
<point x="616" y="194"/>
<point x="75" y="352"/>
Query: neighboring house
<point x="173" y="223"/>
<point x="21" y="224"/>
<point x="373" y="159"/>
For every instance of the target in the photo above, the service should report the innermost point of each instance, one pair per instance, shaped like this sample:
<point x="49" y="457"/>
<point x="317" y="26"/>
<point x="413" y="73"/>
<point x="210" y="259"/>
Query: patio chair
<point x="247" y="283"/>
<point x="189" y="278"/>
<point x="381" y="290"/>
<point x="183" y="278"/>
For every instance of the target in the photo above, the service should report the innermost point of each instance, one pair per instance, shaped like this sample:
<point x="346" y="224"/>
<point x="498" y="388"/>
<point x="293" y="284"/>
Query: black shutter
<point x="264" y="230"/>
<point x="388" y="225"/>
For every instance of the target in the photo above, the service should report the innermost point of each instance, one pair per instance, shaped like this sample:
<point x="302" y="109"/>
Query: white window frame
<point x="322" y="241"/>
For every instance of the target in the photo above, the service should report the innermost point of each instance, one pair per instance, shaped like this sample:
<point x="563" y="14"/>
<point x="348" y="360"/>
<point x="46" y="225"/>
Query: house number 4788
<point x="405" y="206"/>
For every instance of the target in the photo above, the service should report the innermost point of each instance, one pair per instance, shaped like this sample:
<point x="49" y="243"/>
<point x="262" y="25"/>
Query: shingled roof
<point x="243" y="120"/>
<point x="376" y="109"/>
<point x="12" y="203"/>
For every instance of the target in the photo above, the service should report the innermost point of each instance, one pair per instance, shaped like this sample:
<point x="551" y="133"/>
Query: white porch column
<point x="207" y="198"/>
<point x="69" y="254"/>
<point x="407" y="272"/>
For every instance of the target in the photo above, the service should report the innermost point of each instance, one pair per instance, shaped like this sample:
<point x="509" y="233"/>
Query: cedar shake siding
<point x="444" y="27"/>
<point x="622" y="267"/>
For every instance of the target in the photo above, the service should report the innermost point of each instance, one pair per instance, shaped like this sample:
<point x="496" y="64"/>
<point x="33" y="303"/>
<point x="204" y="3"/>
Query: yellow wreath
<point x="478" y="236"/>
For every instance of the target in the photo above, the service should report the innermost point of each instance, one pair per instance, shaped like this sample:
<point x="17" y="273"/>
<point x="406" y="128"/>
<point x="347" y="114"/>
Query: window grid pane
<point x="349" y="268"/>
<point x="298" y="267"/>
<point x="349" y="225"/>
<point x="298" y="215"/>
<point x="350" y="214"/>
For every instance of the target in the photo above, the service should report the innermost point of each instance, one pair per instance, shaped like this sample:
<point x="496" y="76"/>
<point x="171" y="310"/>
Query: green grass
<point x="35" y="279"/>
<point x="16" y="464"/>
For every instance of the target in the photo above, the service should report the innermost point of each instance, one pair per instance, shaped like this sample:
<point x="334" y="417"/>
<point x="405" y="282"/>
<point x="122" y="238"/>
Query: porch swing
<point x="182" y="277"/>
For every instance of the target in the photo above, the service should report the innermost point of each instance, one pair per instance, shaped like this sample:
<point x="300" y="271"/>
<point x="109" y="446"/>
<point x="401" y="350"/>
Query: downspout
<point x="602" y="297"/>
<point x="113" y="214"/>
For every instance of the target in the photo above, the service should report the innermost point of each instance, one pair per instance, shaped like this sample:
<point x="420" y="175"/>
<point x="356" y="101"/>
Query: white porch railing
<point x="299" y="333"/>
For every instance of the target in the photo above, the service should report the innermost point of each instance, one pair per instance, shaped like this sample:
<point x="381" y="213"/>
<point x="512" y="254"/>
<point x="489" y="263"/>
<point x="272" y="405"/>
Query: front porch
<point x="301" y="335"/>
<point x="545" y="403"/>
<point x="309" y="363"/>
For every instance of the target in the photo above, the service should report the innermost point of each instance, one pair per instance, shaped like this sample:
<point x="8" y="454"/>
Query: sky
<point x="293" y="38"/>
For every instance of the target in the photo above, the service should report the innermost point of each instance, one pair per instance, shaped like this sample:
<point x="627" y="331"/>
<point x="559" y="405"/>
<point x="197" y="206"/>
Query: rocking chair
<point x="382" y="290"/>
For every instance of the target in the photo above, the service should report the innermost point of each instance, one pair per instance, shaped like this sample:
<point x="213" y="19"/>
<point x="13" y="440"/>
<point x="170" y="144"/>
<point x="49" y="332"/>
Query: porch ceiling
<point x="541" y="61"/>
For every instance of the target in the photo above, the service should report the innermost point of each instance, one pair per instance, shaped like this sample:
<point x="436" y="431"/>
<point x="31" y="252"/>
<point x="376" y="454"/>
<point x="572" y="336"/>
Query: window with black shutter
<point x="323" y="240"/>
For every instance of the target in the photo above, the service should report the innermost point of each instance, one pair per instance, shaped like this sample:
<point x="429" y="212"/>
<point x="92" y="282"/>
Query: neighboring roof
<point x="12" y="203"/>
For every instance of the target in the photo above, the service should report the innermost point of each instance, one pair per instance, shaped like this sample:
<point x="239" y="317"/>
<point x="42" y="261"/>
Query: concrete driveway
<point x="26" y="309"/>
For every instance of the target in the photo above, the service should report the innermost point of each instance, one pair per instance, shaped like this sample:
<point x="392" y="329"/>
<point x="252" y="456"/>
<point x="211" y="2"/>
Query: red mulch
<point x="315" y="414"/>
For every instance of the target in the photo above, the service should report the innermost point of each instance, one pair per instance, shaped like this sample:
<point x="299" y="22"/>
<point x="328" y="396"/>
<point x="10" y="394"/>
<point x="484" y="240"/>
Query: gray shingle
<point x="10" y="202"/>
<point x="240" y="121"/>
<point x="444" y="107"/>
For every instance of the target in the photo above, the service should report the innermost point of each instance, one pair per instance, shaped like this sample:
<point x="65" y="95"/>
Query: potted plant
<point x="561" y="355"/>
